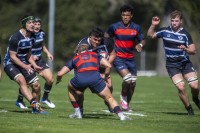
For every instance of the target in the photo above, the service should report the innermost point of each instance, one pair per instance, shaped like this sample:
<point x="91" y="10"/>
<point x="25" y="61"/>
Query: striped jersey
<point x="171" y="41"/>
<point x="37" y="47"/>
<point x="103" y="48"/>
<point x="86" y="61"/>
<point x="125" y="38"/>
<point x="21" y="45"/>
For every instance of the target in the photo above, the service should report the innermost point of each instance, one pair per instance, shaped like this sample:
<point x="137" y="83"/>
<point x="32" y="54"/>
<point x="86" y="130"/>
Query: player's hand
<point x="50" y="56"/>
<point x="38" y="68"/>
<point x="155" y="20"/>
<point x="138" y="48"/>
<point x="182" y="47"/>
<point x="29" y="69"/>
<point x="35" y="58"/>
<point x="58" y="79"/>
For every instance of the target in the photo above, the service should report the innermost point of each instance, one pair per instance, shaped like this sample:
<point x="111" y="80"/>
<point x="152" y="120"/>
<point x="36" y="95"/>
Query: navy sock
<point x="47" y="89"/>
<point x="20" y="97"/>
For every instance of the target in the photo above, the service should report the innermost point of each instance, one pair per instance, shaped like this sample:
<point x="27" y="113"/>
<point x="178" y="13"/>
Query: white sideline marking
<point x="3" y="111"/>
<point x="127" y="113"/>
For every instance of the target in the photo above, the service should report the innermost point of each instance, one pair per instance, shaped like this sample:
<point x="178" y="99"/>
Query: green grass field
<point x="157" y="109"/>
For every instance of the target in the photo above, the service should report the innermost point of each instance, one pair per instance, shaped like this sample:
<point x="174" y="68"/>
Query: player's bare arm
<point x="49" y="55"/>
<point x="151" y="31"/>
<point x="191" y="49"/>
<point x="60" y="73"/>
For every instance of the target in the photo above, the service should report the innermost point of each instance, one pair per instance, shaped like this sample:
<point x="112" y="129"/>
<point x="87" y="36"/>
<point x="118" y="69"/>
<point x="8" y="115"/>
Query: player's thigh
<point x="46" y="74"/>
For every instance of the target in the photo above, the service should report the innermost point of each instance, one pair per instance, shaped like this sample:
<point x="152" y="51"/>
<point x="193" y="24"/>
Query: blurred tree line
<point x="75" y="18"/>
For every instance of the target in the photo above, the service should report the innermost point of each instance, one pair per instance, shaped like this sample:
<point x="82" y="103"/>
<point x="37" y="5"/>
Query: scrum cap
<point x="25" y="20"/>
<point x="37" y="19"/>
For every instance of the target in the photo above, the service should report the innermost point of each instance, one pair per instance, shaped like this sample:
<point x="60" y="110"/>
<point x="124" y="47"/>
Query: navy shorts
<point x="124" y="63"/>
<point x="183" y="69"/>
<point x="91" y="79"/>
<point x="42" y="63"/>
<point x="13" y="71"/>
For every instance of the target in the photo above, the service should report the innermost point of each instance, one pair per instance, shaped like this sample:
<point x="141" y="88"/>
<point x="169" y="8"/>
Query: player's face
<point x="37" y="26"/>
<point x="126" y="17"/>
<point x="95" y="41"/>
<point x="176" y="23"/>
<point x="30" y="25"/>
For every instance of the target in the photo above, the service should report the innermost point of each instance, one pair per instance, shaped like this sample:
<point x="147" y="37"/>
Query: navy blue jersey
<point x="171" y="40"/>
<point x="21" y="45"/>
<point x="104" y="45"/>
<point x="37" y="47"/>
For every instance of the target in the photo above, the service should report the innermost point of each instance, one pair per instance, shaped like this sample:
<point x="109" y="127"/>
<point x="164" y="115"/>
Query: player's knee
<point x="20" y="80"/>
<point x="50" y="81"/>
<point x="36" y="86"/>
<point x="180" y="84"/>
<point x="129" y="78"/>
<point x="193" y="82"/>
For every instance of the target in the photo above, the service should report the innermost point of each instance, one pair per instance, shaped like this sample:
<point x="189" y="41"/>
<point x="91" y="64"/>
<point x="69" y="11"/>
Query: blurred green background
<point x="75" y="18"/>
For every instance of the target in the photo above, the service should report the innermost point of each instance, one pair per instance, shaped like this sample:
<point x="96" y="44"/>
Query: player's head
<point x="176" y="20"/>
<point x="96" y="36"/>
<point x="37" y="19"/>
<point x="126" y="8"/>
<point x="37" y="24"/>
<point x="27" y="23"/>
<point x="81" y="48"/>
<point x="126" y="14"/>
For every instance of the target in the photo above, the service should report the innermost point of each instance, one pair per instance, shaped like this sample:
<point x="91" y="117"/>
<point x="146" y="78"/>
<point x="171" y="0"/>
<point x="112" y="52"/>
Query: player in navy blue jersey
<point x="102" y="46"/>
<point x="178" y="45"/>
<point x="20" y="66"/>
<point x="125" y="33"/>
<point x="86" y="64"/>
<point x="46" y="72"/>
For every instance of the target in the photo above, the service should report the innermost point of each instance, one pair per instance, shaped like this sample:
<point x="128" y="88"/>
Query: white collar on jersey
<point x="177" y="30"/>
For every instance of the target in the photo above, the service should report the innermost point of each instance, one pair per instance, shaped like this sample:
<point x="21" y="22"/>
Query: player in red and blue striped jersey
<point x="125" y="33"/>
<point x="102" y="46"/>
<point x="86" y="64"/>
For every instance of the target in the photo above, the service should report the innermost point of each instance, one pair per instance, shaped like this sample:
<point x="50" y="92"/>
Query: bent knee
<point x="129" y="78"/>
<point x="36" y="86"/>
<point x="180" y="84"/>
<point x="193" y="82"/>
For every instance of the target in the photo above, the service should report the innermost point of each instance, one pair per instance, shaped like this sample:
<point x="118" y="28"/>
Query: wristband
<point x="141" y="45"/>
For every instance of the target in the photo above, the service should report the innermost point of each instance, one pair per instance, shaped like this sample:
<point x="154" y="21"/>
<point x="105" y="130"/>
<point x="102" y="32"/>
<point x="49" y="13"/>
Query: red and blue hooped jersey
<point x="87" y="61"/>
<point x="125" y="38"/>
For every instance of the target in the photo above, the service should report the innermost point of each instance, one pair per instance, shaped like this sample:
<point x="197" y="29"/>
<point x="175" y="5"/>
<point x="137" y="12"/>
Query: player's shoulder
<point x="184" y="31"/>
<point x="16" y="36"/>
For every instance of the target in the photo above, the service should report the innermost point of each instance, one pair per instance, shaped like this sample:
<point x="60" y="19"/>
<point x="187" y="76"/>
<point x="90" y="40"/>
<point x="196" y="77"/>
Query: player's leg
<point x="126" y="92"/>
<point x="20" y="102"/>
<point x="47" y="74"/>
<point x="73" y="97"/>
<point x="14" y="73"/>
<point x="131" y="65"/>
<point x="107" y="96"/>
<point x="33" y="81"/>
<point x="193" y="83"/>
<point x="180" y="85"/>
<point x="108" y="81"/>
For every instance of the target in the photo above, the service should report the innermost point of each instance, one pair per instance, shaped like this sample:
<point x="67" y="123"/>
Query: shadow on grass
<point x="98" y="116"/>
<point x="95" y="116"/>
<point x="21" y="111"/>
<point x="174" y="113"/>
